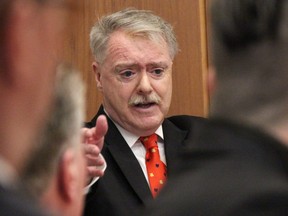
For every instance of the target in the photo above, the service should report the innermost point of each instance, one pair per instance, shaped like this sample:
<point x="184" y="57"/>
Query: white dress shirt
<point x="138" y="148"/>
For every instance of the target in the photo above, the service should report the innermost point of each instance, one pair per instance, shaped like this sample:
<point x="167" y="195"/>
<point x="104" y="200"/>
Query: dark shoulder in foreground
<point x="193" y="124"/>
<point x="15" y="203"/>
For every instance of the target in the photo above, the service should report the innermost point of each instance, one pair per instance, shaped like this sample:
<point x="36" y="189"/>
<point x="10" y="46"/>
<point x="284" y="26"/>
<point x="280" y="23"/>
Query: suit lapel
<point x="173" y="138"/>
<point x="127" y="162"/>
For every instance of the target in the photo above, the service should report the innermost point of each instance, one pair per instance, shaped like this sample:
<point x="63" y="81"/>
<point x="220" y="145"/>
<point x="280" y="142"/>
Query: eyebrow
<point x="133" y="65"/>
<point x="126" y="65"/>
<point x="157" y="64"/>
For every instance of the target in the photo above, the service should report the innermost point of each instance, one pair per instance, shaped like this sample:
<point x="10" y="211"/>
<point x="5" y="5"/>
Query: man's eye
<point x="158" y="72"/>
<point x="127" y="74"/>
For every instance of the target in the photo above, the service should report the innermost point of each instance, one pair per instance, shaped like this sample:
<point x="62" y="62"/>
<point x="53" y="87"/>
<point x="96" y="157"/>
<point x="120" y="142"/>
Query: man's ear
<point x="97" y="75"/>
<point x="67" y="174"/>
<point x="211" y="80"/>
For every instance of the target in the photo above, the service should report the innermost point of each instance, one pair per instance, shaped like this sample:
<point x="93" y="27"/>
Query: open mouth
<point x="145" y="105"/>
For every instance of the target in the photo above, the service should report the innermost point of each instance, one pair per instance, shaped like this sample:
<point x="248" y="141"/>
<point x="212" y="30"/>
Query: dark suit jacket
<point x="123" y="188"/>
<point x="14" y="203"/>
<point x="227" y="169"/>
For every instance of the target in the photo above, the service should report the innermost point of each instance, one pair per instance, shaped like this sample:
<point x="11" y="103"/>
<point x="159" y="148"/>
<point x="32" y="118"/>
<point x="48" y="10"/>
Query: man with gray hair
<point x="133" y="57"/>
<point x="56" y="173"/>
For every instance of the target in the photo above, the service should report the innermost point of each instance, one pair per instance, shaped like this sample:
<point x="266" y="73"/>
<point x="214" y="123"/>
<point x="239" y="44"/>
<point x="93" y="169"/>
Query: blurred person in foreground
<point x="31" y="33"/>
<point x="56" y="173"/>
<point x="27" y="73"/>
<point x="133" y="57"/>
<point x="238" y="162"/>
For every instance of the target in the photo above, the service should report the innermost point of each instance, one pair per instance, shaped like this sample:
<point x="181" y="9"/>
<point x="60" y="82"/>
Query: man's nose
<point x="144" y="85"/>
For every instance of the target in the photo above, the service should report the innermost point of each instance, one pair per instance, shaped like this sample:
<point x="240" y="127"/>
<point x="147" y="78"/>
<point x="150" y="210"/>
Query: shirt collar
<point x="131" y="138"/>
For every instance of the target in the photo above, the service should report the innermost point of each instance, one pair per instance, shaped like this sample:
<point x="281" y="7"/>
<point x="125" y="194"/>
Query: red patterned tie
<point x="156" y="169"/>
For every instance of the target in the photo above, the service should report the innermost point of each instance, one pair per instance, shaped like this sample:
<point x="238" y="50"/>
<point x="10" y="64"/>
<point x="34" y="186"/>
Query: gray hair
<point x="250" y="44"/>
<point x="141" y="23"/>
<point x="62" y="130"/>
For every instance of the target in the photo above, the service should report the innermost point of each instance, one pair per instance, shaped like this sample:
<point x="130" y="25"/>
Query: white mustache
<point x="144" y="99"/>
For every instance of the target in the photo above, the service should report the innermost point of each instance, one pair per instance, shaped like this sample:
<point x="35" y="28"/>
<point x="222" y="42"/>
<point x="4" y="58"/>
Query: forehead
<point x="123" y="45"/>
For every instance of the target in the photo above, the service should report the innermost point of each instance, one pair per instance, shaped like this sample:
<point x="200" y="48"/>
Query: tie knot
<point x="149" y="141"/>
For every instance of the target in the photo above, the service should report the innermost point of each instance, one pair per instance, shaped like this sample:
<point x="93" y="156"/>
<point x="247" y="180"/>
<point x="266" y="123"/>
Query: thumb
<point x="101" y="128"/>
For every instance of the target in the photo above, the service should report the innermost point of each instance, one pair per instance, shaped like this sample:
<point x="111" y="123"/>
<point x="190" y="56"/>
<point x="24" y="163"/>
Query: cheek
<point x="118" y="91"/>
<point x="164" y="89"/>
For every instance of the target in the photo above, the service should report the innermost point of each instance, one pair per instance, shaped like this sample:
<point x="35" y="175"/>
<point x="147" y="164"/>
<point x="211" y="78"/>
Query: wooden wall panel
<point x="189" y="69"/>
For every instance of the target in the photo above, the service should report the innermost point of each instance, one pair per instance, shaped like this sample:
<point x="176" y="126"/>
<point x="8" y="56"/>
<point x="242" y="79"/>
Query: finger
<point x="94" y="172"/>
<point x="100" y="130"/>
<point x="91" y="149"/>
<point x="96" y="135"/>
<point x="95" y="161"/>
<point x="87" y="134"/>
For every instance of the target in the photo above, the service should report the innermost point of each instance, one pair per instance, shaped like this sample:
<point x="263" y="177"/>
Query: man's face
<point x="136" y="82"/>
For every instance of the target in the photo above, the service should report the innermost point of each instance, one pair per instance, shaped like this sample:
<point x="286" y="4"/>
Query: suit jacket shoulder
<point x="192" y="124"/>
<point x="228" y="169"/>
<point x="14" y="203"/>
<point x="186" y="121"/>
